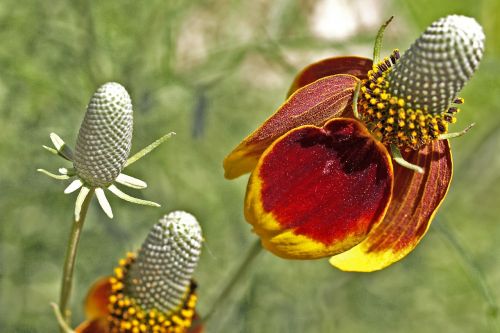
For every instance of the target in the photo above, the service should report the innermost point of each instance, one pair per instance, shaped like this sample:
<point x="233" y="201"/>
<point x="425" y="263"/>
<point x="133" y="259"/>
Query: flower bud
<point x="105" y="136"/>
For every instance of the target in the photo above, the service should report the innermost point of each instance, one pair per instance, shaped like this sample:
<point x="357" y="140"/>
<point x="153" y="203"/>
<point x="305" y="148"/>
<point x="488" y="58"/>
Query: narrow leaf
<point x="148" y="149"/>
<point x="50" y="174"/>
<point x="378" y="40"/>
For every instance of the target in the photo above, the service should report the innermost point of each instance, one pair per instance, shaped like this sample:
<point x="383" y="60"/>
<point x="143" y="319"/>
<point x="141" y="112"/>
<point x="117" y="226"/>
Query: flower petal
<point x="318" y="191"/>
<point x="313" y="104"/>
<point x="96" y="302"/>
<point x="415" y="202"/>
<point x="356" y="66"/>
<point x="99" y="325"/>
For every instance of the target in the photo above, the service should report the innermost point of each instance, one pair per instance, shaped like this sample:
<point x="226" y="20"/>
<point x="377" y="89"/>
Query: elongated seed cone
<point x="105" y="136"/>
<point x="160" y="276"/>
<point x="438" y="64"/>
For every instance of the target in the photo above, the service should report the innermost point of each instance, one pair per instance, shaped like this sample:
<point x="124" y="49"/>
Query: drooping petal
<point x="130" y="181"/>
<point x="103" y="202"/>
<point x="313" y="104"/>
<point x="75" y="185"/>
<point x="96" y="302"/>
<point x="318" y="191"/>
<point x="356" y="66"/>
<point x="96" y="308"/>
<point x="415" y="201"/>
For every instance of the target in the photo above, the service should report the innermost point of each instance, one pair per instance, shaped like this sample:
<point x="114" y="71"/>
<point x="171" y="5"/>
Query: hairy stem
<point x="69" y="261"/>
<point x="252" y="253"/>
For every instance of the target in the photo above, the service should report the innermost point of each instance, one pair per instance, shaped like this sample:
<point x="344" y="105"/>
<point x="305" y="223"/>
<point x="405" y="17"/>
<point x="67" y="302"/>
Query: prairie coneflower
<point x="323" y="181"/>
<point x="153" y="290"/>
<point x="102" y="149"/>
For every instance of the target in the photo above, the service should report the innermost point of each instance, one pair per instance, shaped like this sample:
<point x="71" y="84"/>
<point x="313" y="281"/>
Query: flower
<point x="102" y="150"/>
<point x="152" y="291"/>
<point x="323" y="180"/>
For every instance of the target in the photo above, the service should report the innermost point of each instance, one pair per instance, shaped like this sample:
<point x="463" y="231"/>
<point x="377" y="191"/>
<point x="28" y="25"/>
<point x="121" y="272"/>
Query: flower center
<point x="392" y="119"/>
<point x="126" y="316"/>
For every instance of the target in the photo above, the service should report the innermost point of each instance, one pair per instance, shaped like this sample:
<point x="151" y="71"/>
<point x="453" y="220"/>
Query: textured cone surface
<point x="161" y="275"/>
<point x="105" y="136"/>
<point x="438" y="64"/>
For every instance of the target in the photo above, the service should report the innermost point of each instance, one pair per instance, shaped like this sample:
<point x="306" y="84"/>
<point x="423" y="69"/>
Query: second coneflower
<point x="153" y="290"/>
<point x="323" y="180"/>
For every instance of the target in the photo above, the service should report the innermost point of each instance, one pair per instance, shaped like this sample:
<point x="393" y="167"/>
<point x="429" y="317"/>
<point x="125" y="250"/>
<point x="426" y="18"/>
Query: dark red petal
<point x="415" y="200"/>
<point x="355" y="66"/>
<point x="318" y="191"/>
<point x="314" y="104"/>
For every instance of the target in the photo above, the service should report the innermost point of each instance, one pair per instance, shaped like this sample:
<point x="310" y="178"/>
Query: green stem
<point x="475" y="274"/>
<point x="69" y="261"/>
<point x="252" y="253"/>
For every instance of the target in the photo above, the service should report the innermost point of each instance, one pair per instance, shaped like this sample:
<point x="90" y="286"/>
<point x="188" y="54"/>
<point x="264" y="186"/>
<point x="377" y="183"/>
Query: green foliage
<point x="212" y="70"/>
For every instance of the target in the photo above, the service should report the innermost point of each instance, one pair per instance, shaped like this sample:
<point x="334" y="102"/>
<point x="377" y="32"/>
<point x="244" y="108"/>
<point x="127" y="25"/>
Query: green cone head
<point x="160" y="276"/>
<point x="105" y="136"/>
<point x="438" y="64"/>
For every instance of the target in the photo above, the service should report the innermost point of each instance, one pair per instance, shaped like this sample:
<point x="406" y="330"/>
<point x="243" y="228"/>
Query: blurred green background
<point x="212" y="70"/>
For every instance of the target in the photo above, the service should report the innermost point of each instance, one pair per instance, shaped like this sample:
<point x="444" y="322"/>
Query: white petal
<point x="79" y="201"/>
<point x="63" y="149"/>
<point x="56" y="141"/>
<point x="128" y="198"/>
<point x="130" y="181"/>
<point x="101" y="197"/>
<point x="75" y="185"/>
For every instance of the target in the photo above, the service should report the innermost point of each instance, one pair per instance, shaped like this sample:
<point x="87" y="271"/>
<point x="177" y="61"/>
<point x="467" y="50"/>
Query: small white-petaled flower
<point x="102" y="150"/>
<point x="105" y="136"/>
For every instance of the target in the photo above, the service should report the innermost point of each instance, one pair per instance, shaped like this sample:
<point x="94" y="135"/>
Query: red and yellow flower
<point x="323" y="182"/>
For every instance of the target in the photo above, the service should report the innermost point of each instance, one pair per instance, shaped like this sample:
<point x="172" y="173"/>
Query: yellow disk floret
<point x="391" y="119"/>
<point x="126" y="316"/>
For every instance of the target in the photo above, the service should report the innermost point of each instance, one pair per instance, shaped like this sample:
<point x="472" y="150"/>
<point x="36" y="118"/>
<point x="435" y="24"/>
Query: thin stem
<point x="62" y="324"/>
<point x="475" y="273"/>
<point x="252" y="253"/>
<point x="69" y="261"/>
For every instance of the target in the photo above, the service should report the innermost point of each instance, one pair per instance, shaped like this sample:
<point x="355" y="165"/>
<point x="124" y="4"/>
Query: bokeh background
<point x="212" y="70"/>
